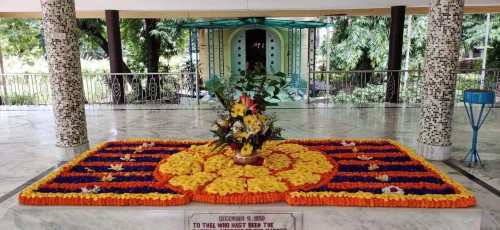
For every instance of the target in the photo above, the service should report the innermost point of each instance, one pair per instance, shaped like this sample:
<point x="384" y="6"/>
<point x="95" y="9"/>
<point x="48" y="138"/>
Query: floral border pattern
<point x="370" y="173"/>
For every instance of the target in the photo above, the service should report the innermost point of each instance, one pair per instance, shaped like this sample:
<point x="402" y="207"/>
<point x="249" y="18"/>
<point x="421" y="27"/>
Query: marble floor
<point x="27" y="137"/>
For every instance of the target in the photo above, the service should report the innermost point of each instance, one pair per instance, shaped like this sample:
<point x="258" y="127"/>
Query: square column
<point x="441" y="66"/>
<point x="63" y="56"/>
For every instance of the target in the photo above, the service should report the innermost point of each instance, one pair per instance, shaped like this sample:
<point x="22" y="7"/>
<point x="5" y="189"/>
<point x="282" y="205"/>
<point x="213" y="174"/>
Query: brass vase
<point x="245" y="159"/>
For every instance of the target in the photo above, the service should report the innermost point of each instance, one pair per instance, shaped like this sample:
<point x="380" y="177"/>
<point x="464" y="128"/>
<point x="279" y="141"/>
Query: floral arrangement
<point x="245" y="128"/>
<point x="242" y="123"/>
<point x="299" y="172"/>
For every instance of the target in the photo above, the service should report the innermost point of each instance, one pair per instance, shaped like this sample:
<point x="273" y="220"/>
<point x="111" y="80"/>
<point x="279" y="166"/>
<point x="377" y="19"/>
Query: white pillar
<point x="441" y="66"/>
<point x="63" y="56"/>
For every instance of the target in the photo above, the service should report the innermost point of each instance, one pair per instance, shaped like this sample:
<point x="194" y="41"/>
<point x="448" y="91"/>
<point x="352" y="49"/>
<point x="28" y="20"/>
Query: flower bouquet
<point x="242" y="123"/>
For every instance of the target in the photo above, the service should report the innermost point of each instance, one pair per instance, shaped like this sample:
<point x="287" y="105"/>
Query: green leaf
<point x="280" y="74"/>
<point x="272" y="69"/>
<point x="220" y="144"/>
<point x="276" y="91"/>
<point x="222" y="148"/>
<point x="273" y="83"/>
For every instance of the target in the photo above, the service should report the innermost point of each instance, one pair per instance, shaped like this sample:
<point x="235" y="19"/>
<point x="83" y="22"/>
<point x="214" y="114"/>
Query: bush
<point x="370" y="93"/>
<point x="19" y="99"/>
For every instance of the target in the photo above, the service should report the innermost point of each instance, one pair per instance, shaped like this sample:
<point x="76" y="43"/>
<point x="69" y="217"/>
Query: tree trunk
<point x="153" y="58"/>
<point x="103" y="43"/>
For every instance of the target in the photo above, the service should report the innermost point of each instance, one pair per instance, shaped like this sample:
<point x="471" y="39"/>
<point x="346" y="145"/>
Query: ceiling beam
<point x="255" y="13"/>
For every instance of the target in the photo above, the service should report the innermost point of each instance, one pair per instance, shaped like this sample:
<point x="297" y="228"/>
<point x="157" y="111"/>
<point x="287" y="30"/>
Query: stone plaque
<point x="242" y="221"/>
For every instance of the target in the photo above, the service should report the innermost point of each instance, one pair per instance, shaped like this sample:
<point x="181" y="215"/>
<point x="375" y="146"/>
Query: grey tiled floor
<point x="27" y="135"/>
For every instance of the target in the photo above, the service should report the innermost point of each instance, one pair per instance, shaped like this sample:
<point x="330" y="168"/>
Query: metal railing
<point x="180" y="88"/>
<point x="103" y="88"/>
<point x="363" y="86"/>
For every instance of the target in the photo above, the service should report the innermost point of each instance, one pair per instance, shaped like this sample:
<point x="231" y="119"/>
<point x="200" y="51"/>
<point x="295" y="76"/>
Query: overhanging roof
<point x="248" y="22"/>
<point x="236" y="8"/>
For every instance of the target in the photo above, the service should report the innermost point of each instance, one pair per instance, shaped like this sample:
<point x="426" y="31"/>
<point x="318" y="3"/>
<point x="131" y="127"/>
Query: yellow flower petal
<point x="247" y="149"/>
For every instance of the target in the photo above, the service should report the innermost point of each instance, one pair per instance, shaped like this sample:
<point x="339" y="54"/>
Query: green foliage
<point x="20" y="99"/>
<point x="359" y="42"/>
<point x="261" y="87"/>
<point x="474" y="26"/>
<point x="134" y="46"/>
<point x="418" y="40"/>
<point x="413" y="94"/>
<point x="362" y="43"/>
<point x="370" y="93"/>
<point x="22" y="38"/>
<point x="242" y="123"/>
<point x="472" y="81"/>
<point x="376" y="93"/>
<point x="93" y="38"/>
<point x="494" y="55"/>
<point x="172" y="40"/>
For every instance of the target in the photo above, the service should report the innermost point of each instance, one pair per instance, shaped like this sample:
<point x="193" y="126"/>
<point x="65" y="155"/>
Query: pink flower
<point x="254" y="110"/>
<point x="249" y="103"/>
<point x="234" y="146"/>
<point x="243" y="98"/>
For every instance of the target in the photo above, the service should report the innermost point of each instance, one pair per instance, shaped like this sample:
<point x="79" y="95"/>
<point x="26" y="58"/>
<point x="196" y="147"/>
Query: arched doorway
<point x="255" y="46"/>
<point x="255" y="49"/>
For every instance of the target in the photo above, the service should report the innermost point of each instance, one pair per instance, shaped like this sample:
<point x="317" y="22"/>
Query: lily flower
<point x="383" y="177"/>
<point x="364" y="157"/>
<point x="372" y="167"/>
<point x="348" y="144"/>
<point x="90" y="190"/>
<point x="126" y="157"/>
<point x="108" y="178"/>
<point x="139" y="149"/>
<point x="116" y="167"/>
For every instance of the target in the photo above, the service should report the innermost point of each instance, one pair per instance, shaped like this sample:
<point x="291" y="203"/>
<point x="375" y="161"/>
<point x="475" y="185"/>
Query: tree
<point x="362" y="43"/>
<point x="473" y="31"/>
<point x="146" y="41"/>
<point x="93" y="33"/>
<point x="418" y="40"/>
<point x="24" y="41"/>
<point x="359" y="42"/>
<point x="153" y="58"/>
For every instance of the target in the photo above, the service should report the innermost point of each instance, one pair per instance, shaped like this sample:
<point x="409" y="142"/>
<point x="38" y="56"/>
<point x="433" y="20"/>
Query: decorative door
<point x="272" y="52"/>
<point x="238" y="53"/>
